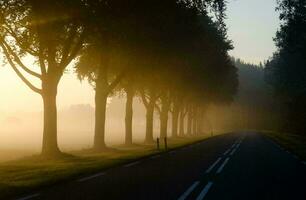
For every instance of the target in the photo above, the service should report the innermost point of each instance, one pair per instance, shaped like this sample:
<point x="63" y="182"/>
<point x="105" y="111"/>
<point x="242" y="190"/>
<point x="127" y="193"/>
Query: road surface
<point x="235" y="166"/>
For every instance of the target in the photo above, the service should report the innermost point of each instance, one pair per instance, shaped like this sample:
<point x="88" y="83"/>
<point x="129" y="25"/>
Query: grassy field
<point x="291" y="142"/>
<point x="31" y="173"/>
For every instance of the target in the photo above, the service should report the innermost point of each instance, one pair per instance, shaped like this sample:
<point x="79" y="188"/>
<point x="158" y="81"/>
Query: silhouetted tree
<point x="52" y="33"/>
<point x="286" y="70"/>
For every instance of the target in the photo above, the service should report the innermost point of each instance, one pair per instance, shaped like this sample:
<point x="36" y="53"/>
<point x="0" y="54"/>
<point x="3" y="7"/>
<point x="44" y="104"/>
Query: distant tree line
<point x="172" y="54"/>
<point x="286" y="70"/>
<point x="254" y="107"/>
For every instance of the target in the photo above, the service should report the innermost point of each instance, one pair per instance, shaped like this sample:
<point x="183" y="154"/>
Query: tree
<point x="286" y="70"/>
<point x="109" y="56"/>
<point x="52" y="33"/>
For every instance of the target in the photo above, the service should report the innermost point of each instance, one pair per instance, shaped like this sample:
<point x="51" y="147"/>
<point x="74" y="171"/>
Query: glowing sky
<point x="252" y="25"/>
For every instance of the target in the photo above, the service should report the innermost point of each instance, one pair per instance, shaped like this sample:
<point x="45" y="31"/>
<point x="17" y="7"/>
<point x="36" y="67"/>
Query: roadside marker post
<point x="166" y="143"/>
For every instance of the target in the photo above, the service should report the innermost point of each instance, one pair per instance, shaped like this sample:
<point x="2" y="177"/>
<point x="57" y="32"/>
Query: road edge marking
<point x="156" y="156"/>
<point x="132" y="164"/>
<point x="91" y="177"/>
<point x="29" y="197"/>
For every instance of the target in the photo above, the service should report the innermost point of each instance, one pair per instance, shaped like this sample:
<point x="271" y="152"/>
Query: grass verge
<point x="33" y="173"/>
<point x="293" y="143"/>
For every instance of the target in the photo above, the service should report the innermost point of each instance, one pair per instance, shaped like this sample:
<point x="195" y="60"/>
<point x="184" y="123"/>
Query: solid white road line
<point x="132" y="164"/>
<point x="222" y="166"/>
<point x="204" y="191"/>
<point x="213" y="165"/>
<point x="189" y="190"/>
<point x="91" y="177"/>
<point x="234" y="150"/>
<point x="29" y="197"/>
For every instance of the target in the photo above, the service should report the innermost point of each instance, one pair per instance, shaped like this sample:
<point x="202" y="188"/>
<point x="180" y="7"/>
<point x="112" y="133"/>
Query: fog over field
<point x="22" y="131"/>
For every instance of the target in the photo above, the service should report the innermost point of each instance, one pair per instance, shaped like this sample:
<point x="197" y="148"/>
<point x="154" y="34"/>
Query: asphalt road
<point x="234" y="166"/>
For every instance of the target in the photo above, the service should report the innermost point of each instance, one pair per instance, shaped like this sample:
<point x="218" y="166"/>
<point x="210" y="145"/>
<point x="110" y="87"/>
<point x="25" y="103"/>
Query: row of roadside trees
<point x="286" y="71"/>
<point x="172" y="54"/>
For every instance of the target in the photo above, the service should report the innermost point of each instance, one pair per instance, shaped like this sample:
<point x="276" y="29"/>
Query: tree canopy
<point x="174" y="54"/>
<point x="286" y="70"/>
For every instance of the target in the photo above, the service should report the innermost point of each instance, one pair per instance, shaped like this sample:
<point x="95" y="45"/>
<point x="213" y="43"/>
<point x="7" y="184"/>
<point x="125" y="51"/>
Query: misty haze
<point x="152" y="99"/>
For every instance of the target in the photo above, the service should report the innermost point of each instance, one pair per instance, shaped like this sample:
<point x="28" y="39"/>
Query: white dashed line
<point x="234" y="150"/>
<point x="225" y="153"/>
<point x="204" y="191"/>
<point x="29" y="197"/>
<point x="222" y="166"/>
<point x="91" y="177"/>
<point x="189" y="190"/>
<point x="132" y="164"/>
<point x="213" y="165"/>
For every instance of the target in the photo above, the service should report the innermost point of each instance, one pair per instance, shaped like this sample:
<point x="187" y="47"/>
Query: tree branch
<point x="68" y="45"/>
<point x="27" y="49"/>
<point x="158" y="108"/>
<point x="27" y="82"/>
<point x="42" y="64"/>
<point x="117" y="80"/>
<point x="18" y="61"/>
<point x="78" y="46"/>
<point x="144" y="99"/>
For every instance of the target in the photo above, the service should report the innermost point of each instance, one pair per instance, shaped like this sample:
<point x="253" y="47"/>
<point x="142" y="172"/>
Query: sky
<point x="251" y="24"/>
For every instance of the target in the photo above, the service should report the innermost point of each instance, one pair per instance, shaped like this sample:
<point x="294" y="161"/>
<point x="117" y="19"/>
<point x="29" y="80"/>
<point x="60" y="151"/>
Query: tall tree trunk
<point x="194" y="121"/>
<point x="129" y="115"/>
<point x="175" y="118"/>
<point x="149" y="122"/>
<point x="164" y="116"/>
<point x="189" y="121"/>
<point x="200" y="122"/>
<point x="182" y="125"/>
<point x="101" y="102"/>
<point x="49" y="145"/>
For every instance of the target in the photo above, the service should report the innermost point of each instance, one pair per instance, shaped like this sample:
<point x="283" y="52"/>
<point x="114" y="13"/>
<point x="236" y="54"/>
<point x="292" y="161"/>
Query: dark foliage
<point x="286" y="71"/>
